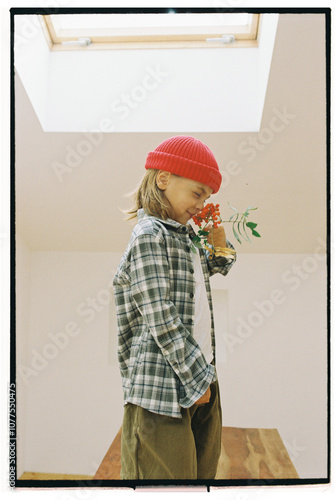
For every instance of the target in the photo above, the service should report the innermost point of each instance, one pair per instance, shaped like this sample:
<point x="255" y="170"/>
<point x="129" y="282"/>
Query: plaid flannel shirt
<point x="162" y="366"/>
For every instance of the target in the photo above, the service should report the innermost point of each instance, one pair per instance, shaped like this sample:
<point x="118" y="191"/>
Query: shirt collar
<point x="180" y="228"/>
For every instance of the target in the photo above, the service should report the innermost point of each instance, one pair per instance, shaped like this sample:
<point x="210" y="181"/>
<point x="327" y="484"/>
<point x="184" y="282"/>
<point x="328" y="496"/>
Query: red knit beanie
<point x="188" y="157"/>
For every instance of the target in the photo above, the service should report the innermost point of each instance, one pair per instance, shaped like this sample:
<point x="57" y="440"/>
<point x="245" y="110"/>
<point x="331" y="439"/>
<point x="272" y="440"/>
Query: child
<point x="166" y="346"/>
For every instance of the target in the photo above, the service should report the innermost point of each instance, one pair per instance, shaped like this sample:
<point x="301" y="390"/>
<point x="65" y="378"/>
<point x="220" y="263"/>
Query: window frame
<point x="243" y="38"/>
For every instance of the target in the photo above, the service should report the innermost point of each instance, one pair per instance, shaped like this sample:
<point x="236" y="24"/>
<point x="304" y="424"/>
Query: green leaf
<point x="232" y="207"/>
<point x="252" y="225"/>
<point x="203" y="233"/>
<point x="239" y="227"/>
<point x="254" y="233"/>
<point x="245" y="231"/>
<point x="235" y="234"/>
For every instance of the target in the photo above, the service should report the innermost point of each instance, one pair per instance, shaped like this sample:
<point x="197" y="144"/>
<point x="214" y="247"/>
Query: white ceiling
<point x="283" y="171"/>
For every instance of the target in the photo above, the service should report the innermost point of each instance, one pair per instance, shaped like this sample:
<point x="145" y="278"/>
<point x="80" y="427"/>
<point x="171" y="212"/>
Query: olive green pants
<point x="156" y="446"/>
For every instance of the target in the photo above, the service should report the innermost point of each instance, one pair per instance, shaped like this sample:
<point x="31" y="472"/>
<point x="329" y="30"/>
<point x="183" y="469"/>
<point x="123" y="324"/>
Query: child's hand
<point x="204" y="398"/>
<point x="217" y="237"/>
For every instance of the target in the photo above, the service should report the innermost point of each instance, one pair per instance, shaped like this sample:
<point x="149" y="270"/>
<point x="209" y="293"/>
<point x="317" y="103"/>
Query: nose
<point x="200" y="205"/>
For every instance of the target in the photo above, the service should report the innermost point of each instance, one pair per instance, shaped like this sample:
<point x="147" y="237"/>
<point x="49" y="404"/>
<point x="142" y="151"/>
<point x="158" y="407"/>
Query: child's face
<point x="186" y="197"/>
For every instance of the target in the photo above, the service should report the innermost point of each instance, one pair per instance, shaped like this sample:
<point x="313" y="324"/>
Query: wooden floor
<point x="44" y="476"/>
<point x="245" y="454"/>
<point x="254" y="454"/>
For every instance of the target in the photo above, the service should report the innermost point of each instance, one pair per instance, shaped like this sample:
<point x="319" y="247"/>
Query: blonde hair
<point x="149" y="197"/>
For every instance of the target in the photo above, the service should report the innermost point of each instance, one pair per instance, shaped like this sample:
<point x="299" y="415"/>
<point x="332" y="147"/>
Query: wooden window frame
<point x="242" y="39"/>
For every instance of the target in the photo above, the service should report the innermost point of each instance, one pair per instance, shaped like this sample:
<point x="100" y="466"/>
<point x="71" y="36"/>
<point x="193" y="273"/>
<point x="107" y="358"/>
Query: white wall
<point x="218" y="89"/>
<point x="32" y="56"/>
<point x="271" y="377"/>
<point x="74" y="402"/>
<point x="274" y="370"/>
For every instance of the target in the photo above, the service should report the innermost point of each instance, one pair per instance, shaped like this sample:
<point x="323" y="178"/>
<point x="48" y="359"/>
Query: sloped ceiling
<point x="281" y="169"/>
<point x="217" y="89"/>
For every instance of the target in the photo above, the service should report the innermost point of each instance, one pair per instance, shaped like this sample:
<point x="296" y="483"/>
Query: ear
<point x="162" y="179"/>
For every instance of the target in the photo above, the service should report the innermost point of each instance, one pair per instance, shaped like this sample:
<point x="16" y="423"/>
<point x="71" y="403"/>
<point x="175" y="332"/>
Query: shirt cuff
<point x="191" y="394"/>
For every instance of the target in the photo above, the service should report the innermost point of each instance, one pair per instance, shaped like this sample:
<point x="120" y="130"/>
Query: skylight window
<point x="150" y="30"/>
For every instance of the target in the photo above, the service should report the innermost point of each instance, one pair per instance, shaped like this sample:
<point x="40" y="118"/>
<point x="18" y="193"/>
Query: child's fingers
<point x="204" y="398"/>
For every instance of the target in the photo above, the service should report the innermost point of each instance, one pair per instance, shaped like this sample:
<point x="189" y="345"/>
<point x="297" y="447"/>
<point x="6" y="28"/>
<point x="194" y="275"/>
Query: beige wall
<point x="23" y="269"/>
